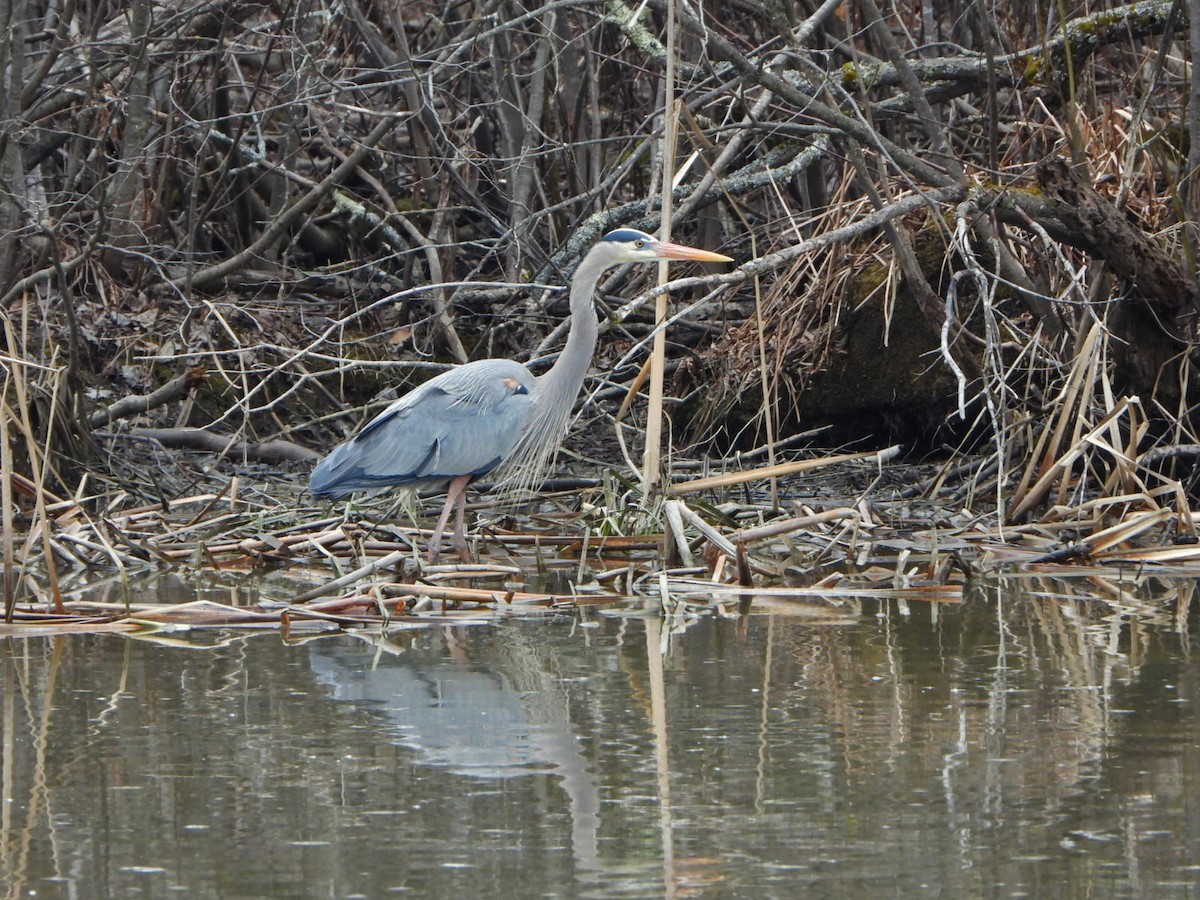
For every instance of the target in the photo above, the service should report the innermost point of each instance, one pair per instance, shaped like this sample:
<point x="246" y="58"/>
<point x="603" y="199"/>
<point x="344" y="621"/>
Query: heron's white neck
<point x="554" y="393"/>
<point x="565" y="377"/>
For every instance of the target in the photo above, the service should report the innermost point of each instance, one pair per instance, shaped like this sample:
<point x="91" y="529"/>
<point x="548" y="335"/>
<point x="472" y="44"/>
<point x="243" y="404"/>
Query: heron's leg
<point x="435" y="540"/>
<point x="460" y="531"/>
<point x="456" y="491"/>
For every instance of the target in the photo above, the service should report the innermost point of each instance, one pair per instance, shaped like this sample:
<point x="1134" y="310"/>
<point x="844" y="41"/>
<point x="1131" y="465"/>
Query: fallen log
<point x="277" y="451"/>
<point x="175" y="389"/>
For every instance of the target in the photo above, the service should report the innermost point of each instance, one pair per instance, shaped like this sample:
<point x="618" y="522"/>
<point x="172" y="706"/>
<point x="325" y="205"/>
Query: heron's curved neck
<point x="565" y="377"/>
<point x="554" y="393"/>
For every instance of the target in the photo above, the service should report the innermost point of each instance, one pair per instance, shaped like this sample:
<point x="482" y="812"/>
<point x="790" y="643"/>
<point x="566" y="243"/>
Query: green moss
<point x="859" y="77"/>
<point x="868" y="280"/>
<point x="1087" y="28"/>
<point x="1029" y="189"/>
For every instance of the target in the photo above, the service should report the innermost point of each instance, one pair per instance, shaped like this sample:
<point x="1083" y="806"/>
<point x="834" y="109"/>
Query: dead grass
<point x="726" y="551"/>
<point x="1075" y="469"/>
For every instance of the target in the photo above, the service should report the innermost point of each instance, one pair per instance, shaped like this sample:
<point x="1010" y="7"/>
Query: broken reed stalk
<point x="1126" y="530"/>
<point x="805" y="465"/>
<point x="675" y="532"/>
<point x="1124" y="477"/>
<point x="944" y="593"/>
<point x="1082" y="407"/>
<point x="784" y="526"/>
<point x="1046" y="448"/>
<point x="651" y="461"/>
<point x="1060" y="467"/>
<point x="714" y="537"/>
<point x="458" y="594"/>
<point x="386" y="562"/>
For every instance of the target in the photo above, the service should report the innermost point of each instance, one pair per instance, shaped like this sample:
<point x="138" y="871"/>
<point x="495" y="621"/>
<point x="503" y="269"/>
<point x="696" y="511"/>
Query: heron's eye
<point x="639" y="244"/>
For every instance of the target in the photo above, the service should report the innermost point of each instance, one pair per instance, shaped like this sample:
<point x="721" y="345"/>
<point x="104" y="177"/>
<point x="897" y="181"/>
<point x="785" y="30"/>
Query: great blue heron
<point x="471" y="420"/>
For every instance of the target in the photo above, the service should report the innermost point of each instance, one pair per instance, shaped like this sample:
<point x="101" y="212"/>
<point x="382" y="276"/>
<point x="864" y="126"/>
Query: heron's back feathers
<point x="463" y="422"/>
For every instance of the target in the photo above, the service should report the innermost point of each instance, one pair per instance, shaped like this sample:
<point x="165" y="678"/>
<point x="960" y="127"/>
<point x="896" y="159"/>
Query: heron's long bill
<point x="667" y="250"/>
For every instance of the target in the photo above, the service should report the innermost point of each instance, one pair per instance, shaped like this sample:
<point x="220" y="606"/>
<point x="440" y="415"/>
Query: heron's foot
<point x="463" y="549"/>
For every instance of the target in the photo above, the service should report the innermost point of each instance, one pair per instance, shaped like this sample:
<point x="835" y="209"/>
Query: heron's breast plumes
<point x="527" y="466"/>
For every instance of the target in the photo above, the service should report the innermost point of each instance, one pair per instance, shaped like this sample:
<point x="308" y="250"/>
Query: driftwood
<point x="135" y="404"/>
<point x="277" y="451"/>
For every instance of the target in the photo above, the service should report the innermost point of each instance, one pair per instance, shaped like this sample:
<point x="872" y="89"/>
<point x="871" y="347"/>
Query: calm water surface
<point x="1024" y="743"/>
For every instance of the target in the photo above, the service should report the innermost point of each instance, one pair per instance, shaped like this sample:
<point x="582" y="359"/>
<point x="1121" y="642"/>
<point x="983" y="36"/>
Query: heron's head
<point x="628" y="245"/>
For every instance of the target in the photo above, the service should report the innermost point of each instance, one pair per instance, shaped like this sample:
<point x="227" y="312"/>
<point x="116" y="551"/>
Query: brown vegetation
<point x="239" y="221"/>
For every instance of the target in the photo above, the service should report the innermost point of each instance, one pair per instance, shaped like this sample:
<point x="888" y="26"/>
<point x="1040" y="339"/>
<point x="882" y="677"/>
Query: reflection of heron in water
<point x="499" y="715"/>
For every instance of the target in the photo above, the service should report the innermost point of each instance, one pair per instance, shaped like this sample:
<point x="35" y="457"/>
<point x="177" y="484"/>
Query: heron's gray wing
<point x="465" y="422"/>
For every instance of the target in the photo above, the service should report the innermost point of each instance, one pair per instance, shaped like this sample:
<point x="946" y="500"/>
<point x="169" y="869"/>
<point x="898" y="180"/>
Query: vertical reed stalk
<point x="768" y="401"/>
<point x="38" y="459"/>
<point x="6" y="498"/>
<point x="651" y="462"/>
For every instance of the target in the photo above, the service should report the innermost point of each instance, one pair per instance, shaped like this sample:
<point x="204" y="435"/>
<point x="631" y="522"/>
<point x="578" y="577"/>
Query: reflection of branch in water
<point x="1027" y="669"/>
<point x="114" y="699"/>
<point x="662" y="759"/>
<point x="14" y="871"/>
<point x="764" y="719"/>
<point x="1186" y="590"/>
